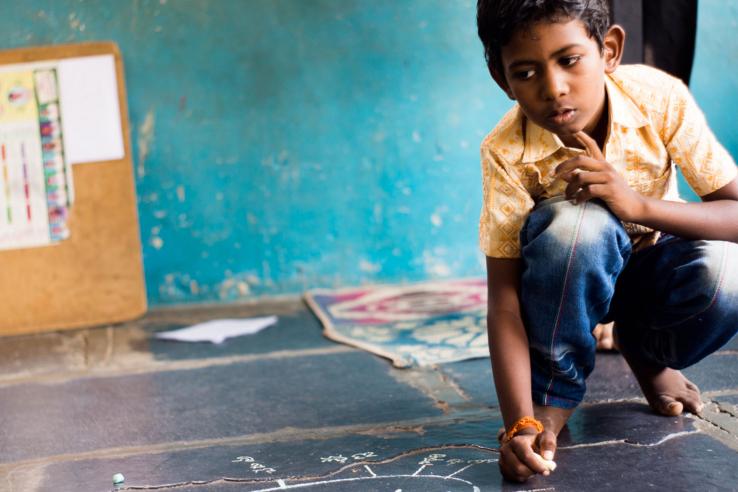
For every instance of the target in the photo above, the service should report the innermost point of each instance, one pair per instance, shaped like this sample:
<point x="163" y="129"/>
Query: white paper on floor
<point x="217" y="330"/>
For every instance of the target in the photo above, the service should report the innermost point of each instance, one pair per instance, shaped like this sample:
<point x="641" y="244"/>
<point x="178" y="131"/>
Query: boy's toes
<point x="695" y="408"/>
<point x="692" y="399"/>
<point x="604" y="336"/>
<point x="693" y="405"/>
<point x="667" y="405"/>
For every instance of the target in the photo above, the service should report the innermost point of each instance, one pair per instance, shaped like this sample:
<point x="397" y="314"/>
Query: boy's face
<point x="556" y="72"/>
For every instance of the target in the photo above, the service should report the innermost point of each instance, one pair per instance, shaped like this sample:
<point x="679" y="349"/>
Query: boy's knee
<point x="721" y="272"/>
<point x="557" y="225"/>
<point x="702" y="308"/>
<point x="712" y="275"/>
<point x="722" y="269"/>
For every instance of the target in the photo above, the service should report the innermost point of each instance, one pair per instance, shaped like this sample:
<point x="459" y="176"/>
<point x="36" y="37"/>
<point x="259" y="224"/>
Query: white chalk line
<point x="357" y="479"/>
<point x="461" y="470"/>
<point x="623" y="441"/>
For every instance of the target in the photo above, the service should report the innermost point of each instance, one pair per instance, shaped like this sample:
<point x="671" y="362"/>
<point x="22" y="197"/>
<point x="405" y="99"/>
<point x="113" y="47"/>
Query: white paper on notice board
<point x="89" y="109"/>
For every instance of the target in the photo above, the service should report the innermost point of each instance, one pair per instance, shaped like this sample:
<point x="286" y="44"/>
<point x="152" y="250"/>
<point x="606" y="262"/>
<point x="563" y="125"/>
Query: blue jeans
<point x="673" y="303"/>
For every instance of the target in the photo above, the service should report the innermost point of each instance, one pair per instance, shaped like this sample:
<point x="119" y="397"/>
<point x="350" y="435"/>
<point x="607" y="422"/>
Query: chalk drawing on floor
<point x="426" y="477"/>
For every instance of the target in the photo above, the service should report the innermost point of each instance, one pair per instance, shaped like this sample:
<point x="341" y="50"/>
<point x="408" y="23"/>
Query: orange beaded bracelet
<point x="520" y="425"/>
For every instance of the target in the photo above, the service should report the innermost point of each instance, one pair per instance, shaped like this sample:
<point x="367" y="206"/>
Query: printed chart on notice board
<point x="70" y="244"/>
<point x="35" y="179"/>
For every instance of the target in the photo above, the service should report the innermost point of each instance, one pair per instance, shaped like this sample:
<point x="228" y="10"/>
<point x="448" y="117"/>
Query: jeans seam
<point x="575" y="237"/>
<point x="560" y="398"/>
<point x="712" y="301"/>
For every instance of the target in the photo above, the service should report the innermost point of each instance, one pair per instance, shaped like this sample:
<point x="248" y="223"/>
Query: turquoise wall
<point x="714" y="81"/>
<point x="286" y="144"/>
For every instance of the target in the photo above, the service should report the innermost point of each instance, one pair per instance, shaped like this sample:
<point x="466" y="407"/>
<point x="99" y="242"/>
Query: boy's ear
<point x="501" y="81"/>
<point x="613" y="44"/>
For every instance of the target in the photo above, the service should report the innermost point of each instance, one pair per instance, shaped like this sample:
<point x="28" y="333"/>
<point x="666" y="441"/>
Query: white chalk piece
<point x="549" y="464"/>
<point x="118" y="479"/>
<point x="216" y="331"/>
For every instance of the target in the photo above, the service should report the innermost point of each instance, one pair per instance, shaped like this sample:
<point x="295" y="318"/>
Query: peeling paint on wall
<point x="369" y="267"/>
<point x="435" y="265"/>
<point x="75" y="23"/>
<point x="290" y="144"/>
<point x="145" y="138"/>
<point x="178" y="286"/>
<point x="237" y="286"/>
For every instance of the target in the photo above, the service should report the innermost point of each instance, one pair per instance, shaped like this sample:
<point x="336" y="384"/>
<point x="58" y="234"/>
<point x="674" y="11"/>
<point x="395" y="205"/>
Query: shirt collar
<point x="541" y="143"/>
<point x="624" y="111"/>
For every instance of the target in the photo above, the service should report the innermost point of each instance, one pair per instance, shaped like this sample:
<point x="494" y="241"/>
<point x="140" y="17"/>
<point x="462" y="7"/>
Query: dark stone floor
<point x="288" y="409"/>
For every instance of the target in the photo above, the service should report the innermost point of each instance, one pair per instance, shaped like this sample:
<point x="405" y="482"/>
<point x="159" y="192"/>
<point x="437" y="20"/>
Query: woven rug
<point x="412" y="325"/>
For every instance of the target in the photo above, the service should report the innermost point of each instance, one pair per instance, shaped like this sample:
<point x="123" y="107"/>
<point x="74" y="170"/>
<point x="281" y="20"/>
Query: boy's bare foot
<point x="667" y="390"/>
<point x="604" y="336"/>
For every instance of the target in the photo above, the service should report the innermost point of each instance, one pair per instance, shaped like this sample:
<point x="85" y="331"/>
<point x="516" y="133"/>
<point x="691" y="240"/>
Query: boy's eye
<point x="568" y="61"/>
<point x="523" y="74"/>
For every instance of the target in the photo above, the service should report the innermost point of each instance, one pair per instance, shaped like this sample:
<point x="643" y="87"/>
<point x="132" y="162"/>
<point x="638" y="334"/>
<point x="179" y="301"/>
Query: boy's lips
<point x="561" y="116"/>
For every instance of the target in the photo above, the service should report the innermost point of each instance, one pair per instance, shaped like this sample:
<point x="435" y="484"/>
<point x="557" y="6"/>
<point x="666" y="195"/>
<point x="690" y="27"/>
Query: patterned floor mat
<point x="412" y="325"/>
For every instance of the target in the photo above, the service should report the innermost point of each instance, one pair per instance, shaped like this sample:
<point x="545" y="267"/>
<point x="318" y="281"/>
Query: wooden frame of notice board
<point x="95" y="276"/>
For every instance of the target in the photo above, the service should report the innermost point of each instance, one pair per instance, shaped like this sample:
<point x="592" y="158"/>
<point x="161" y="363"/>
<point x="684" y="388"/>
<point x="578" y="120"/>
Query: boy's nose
<point x="554" y="86"/>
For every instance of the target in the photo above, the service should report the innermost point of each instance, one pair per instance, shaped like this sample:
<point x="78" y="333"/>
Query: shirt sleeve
<point x="706" y="165"/>
<point x="506" y="204"/>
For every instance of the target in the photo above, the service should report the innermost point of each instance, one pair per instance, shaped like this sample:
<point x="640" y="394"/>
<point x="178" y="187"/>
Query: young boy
<point x="582" y="223"/>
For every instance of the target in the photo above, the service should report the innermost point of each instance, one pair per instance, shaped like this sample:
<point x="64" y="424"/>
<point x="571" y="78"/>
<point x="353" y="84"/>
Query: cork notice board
<point x="96" y="275"/>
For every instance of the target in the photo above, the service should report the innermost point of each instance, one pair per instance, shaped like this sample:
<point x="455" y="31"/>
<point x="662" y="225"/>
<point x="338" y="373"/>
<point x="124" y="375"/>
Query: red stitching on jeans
<point x="561" y="302"/>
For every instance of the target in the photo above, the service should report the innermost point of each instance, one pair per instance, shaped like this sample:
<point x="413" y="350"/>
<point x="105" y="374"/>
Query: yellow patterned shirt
<point x="654" y="125"/>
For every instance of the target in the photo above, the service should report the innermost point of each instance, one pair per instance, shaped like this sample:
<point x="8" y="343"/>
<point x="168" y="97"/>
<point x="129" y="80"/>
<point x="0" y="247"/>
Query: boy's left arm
<point x="591" y="176"/>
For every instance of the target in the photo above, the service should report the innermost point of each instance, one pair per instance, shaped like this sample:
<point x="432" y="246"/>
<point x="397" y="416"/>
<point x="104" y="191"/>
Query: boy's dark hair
<point x="498" y="20"/>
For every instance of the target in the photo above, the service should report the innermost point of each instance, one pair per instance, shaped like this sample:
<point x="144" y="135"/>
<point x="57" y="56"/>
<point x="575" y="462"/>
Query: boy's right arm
<point x="509" y="351"/>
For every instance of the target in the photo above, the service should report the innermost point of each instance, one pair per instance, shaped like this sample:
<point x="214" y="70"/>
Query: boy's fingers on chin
<point x="571" y="190"/>
<point x="577" y="165"/>
<point x="589" y="143"/>
<point x="584" y="139"/>
<point x="583" y="196"/>
<point x="567" y="174"/>
<point x="569" y="165"/>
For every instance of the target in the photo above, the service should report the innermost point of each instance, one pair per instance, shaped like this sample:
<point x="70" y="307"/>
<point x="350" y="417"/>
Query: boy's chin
<point x="569" y="131"/>
<point x="563" y="131"/>
<point x="567" y="134"/>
